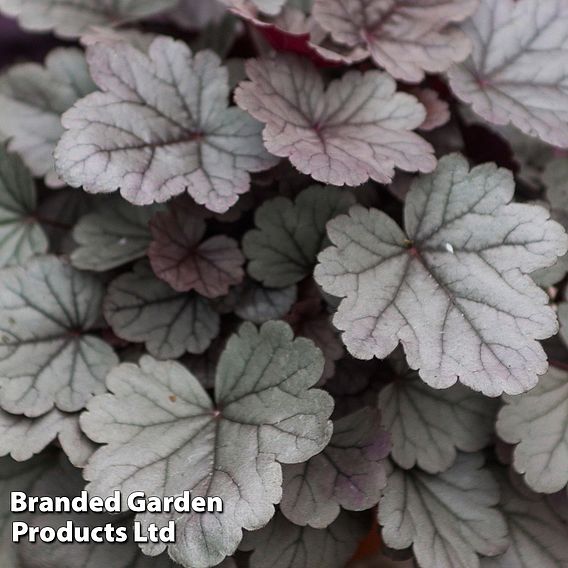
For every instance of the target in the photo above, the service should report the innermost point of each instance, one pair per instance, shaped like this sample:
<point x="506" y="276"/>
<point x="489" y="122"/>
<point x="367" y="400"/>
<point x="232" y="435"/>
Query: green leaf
<point x="258" y="304"/>
<point x="115" y="234"/>
<point x="538" y="535"/>
<point x="164" y="435"/>
<point x="21" y="236"/>
<point x="428" y="426"/>
<point x="141" y="308"/>
<point x="537" y="422"/>
<point x="448" y="519"/>
<point x="283" y="249"/>
<point x="33" y="98"/>
<point x="47" y="356"/>
<point x="282" y="544"/>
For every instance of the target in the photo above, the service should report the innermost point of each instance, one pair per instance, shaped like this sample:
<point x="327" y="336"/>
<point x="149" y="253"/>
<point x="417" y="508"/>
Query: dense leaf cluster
<point x="305" y="255"/>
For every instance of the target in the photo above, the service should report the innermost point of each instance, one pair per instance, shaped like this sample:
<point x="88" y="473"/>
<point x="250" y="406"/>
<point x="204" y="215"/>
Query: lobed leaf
<point x="181" y="258"/>
<point x="33" y="98"/>
<point x="115" y="234"/>
<point x="428" y="426"/>
<point x="21" y="235"/>
<point x="282" y="544"/>
<point x="537" y="422"/>
<point x="538" y="536"/>
<point x="358" y="128"/>
<point x="48" y="358"/>
<point x="448" y="519"/>
<point x="516" y="73"/>
<point x="283" y="249"/>
<point x="70" y="18"/>
<point x="259" y="305"/>
<point x="195" y="142"/>
<point x="349" y="473"/>
<point x="164" y="435"/>
<point x="454" y="288"/>
<point x="406" y="37"/>
<point x="141" y="308"/>
<point x="22" y="437"/>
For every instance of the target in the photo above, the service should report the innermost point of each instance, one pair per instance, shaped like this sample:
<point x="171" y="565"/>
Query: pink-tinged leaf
<point x="517" y="72"/>
<point x="309" y="319"/>
<point x="437" y="110"/>
<point x="358" y="128"/>
<point x="454" y="287"/>
<point x="270" y="7"/>
<point x="406" y="37"/>
<point x="295" y="32"/>
<point x="350" y="473"/>
<point x="159" y="127"/>
<point x="180" y="258"/>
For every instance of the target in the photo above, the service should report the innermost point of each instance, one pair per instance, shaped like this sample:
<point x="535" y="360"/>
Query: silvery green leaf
<point x="428" y="426"/>
<point x="164" y="435"/>
<point x="116" y="233"/>
<point x="196" y="143"/>
<point x="258" y="304"/>
<point x="283" y="249"/>
<point x="196" y="14"/>
<point x="349" y="474"/>
<point x="406" y="37"/>
<point x="282" y="544"/>
<point x="62" y="480"/>
<point x="448" y="519"/>
<point x="21" y="236"/>
<point x="141" y="308"/>
<point x="537" y="422"/>
<point x="22" y="437"/>
<point x="270" y="7"/>
<point x="47" y="356"/>
<point x="356" y="129"/>
<point x="538" y="535"/>
<point x="453" y="288"/>
<point x="70" y="18"/>
<point x="33" y="98"/>
<point x="15" y="476"/>
<point x="517" y="72"/>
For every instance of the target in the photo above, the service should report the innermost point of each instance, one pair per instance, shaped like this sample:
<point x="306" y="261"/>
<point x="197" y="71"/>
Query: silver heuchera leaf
<point x="282" y="544"/>
<point x="23" y="437"/>
<point x="21" y="236"/>
<point x="538" y="535"/>
<point x="358" y="128"/>
<point x="270" y="7"/>
<point x="452" y="289"/>
<point x="283" y="249"/>
<point x="115" y="234"/>
<point x="62" y="480"/>
<point x="159" y="127"/>
<point x="47" y="357"/>
<point x="15" y="476"/>
<point x="259" y="305"/>
<point x="428" y="426"/>
<point x="164" y="435"/>
<point x="537" y="422"/>
<point x="139" y="307"/>
<point x="70" y="18"/>
<point x="448" y="519"/>
<point x="33" y="98"/>
<point x="348" y="474"/>
<point x="406" y="37"/>
<point x="517" y="72"/>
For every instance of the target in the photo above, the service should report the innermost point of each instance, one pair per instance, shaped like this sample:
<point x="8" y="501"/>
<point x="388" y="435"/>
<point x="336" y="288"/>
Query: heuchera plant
<point x="308" y="256"/>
